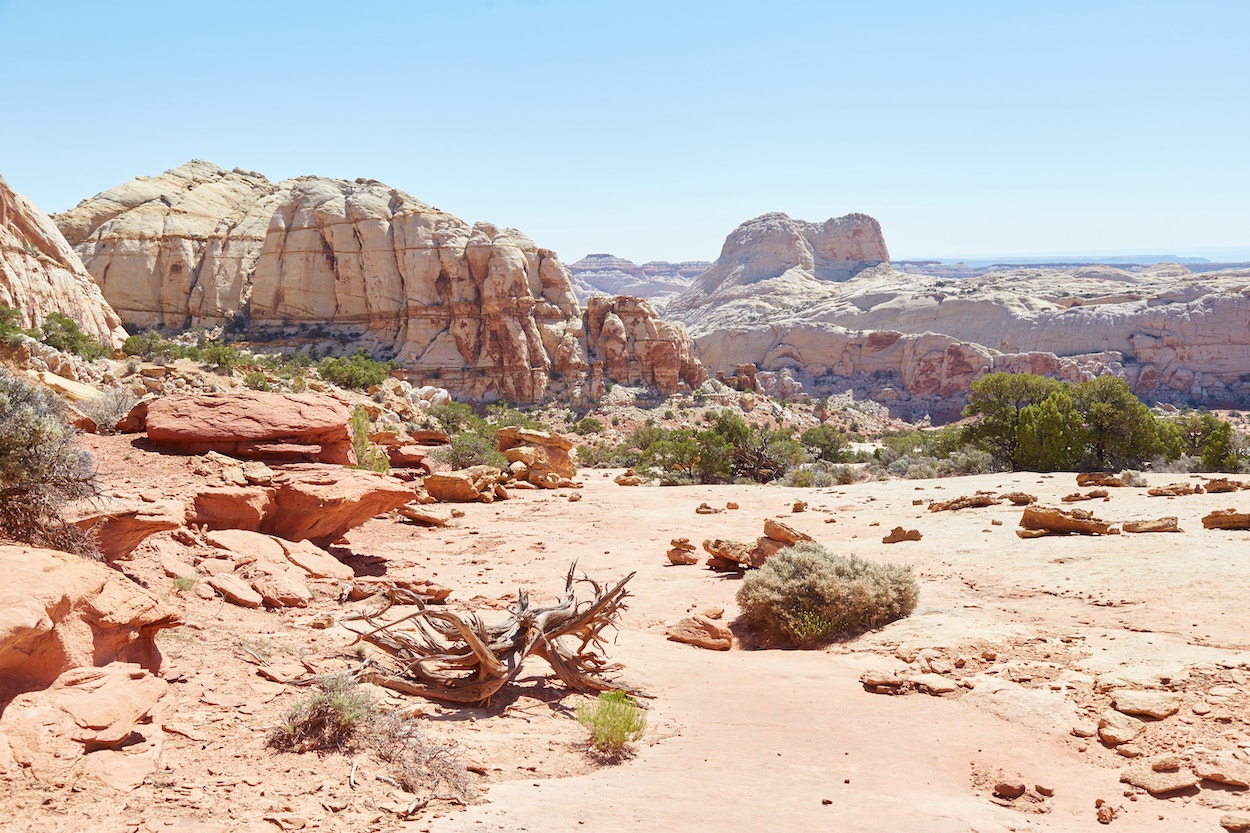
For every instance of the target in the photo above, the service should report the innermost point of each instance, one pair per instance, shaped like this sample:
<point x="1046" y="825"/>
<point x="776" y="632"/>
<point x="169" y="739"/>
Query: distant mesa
<point x="658" y="281"/>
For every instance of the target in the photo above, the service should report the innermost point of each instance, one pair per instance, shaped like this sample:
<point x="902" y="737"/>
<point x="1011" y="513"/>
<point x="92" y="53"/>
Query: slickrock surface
<point x="478" y="309"/>
<point x="40" y="273"/>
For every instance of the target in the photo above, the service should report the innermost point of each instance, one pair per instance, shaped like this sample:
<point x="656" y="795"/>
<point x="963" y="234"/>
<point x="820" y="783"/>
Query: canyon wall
<point x="40" y="273"/>
<point x="480" y="309"/>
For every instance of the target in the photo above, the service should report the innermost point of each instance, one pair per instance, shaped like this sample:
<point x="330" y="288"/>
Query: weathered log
<point x="459" y="658"/>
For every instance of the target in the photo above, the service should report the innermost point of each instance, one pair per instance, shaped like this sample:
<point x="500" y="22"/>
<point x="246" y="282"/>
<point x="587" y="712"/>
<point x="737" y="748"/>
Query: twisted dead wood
<point x="459" y="658"/>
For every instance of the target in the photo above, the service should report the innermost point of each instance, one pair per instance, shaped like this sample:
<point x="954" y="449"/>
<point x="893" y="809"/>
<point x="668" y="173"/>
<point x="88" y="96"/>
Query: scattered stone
<point x="704" y="509"/>
<point x="235" y="590"/>
<point x="731" y="505"/>
<point x="899" y="534"/>
<point x="422" y="517"/>
<point x="783" y="533"/>
<point x="1044" y="790"/>
<point x="1235" y="824"/>
<point x="701" y="632"/>
<point x="963" y="502"/>
<point x="1115" y="728"/>
<point x="934" y="683"/>
<point x="1154" y="704"/>
<point x="628" y="478"/>
<point x="1167" y="524"/>
<point x="1174" y="490"/>
<point x="682" y="551"/>
<point x="314" y="561"/>
<point x="799" y="506"/>
<point x="1018" y="498"/>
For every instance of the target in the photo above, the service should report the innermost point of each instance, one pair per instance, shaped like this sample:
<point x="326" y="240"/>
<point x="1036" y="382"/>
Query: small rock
<point x="1157" y="782"/>
<point x="1010" y="788"/>
<point x="1115" y="728"/>
<point x="1235" y="824"/>
<point x="1044" y="790"/>
<point x="235" y="590"/>
<point x="731" y="505"/>
<point x="1155" y="704"/>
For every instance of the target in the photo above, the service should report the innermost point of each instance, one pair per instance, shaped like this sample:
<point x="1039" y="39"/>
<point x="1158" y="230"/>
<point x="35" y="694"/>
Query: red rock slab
<point x="59" y="611"/>
<point x="321" y="503"/>
<point x="121" y="525"/>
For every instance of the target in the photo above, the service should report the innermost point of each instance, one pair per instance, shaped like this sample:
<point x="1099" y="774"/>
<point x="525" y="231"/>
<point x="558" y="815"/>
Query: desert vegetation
<point x="805" y="596"/>
<point x="42" y="469"/>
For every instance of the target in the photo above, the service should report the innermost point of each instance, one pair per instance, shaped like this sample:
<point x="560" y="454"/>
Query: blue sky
<point x="651" y="129"/>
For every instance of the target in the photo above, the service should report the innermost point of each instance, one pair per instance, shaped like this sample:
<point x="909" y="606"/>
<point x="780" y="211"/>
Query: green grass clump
<point x="359" y="371"/>
<point x="614" y="720"/>
<point x="327" y="719"/>
<point x="368" y="455"/>
<point x="805" y="596"/>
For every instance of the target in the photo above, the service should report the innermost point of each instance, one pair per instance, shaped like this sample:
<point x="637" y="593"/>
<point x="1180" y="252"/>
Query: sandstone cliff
<point x="40" y="273"/>
<point x="478" y="309"/>
<point x="658" y="281"/>
<point x="919" y="341"/>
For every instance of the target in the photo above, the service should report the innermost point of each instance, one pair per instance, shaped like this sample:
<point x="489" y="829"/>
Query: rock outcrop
<point x="40" y="273"/>
<point x="59" y="611"/>
<point x="253" y="424"/>
<point x="918" y="341"/>
<point x="476" y="309"/>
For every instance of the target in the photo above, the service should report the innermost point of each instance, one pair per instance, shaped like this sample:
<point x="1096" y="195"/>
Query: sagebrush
<point x="806" y="596"/>
<point x="41" y="469"/>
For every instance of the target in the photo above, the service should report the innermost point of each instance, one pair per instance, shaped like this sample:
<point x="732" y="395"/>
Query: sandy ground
<point x="1044" y="630"/>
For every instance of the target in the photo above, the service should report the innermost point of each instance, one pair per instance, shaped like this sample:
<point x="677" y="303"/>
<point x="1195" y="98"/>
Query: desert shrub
<point x="62" y="332"/>
<point x="421" y="766"/>
<point x="965" y="461"/>
<point x="502" y="415"/>
<point x="455" y="417"/>
<point x="256" y="380"/>
<point x="359" y="371"/>
<point x="815" y="476"/>
<point x="107" y="408"/>
<point x="845" y="475"/>
<point x="614" y="720"/>
<point x="10" y="330"/>
<point x="327" y="719"/>
<point x="223" y="356"/>
<point x="806" y="596"/>
<point x="588" y="425"/>
<point x="470" y="449"/>
<point x="368" y="455"/>
<point x="41" y="468"/>
<point x="827" y="443"/>
<point x="1133" y="478"/>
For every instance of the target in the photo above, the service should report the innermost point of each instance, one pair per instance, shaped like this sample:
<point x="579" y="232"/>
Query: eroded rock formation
<point x="40" y="273"/>
<point x="477" y="309"/>
<point x="657" y="281"/>
<point x="917" y="341"/>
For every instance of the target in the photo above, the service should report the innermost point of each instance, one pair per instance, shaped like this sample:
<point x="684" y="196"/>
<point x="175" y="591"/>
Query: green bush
<point x="805" y="596"/>
<point x="256" y="380"/>
<point x="614" y="720"/>
<point x="589" y="425"/>
<point x="221" y="355"/>
<point x="470" y="449"/>
<point x="359" y="371"/>
<point x="62" y="332"/>
<point x="10" y="329"/>
<point x="326" y="720"/>
<point x="828" y="443"/>
<point x="368" y="455"/>
<point x="41" y="469"/>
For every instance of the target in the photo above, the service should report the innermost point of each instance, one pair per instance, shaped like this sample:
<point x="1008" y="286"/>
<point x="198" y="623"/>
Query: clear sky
<point x="651" y="129"/>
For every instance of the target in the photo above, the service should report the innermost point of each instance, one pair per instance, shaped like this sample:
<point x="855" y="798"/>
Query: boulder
<point x="1220" y="485"/>
<point x="1018" y="498"/>
<point x="737" y="553"/>
<point x="628" y="478"/>
<point x="235" y="590"/>
<point x="1043" y="520"/>
<point x="1226" y="519"/>
<point x="120" y="525"/>
<point x="321" y="503"/>
<point x="476" y="483"/>
<point x="253" y="424"/>
<point x="1141" y="703"/>
<point x="784" y="533"/>
<point x="1160" y="775"/>
<point x="59" y="611"/>
<point x="899" y="534"/>
<point x="540" y="451"/>
<point x="1098" y="478"/>
<point x="1116" y="728"/>
<point x="701" y="632"/>
<point x="84" y="710"/>
<point x="314" y="561"/>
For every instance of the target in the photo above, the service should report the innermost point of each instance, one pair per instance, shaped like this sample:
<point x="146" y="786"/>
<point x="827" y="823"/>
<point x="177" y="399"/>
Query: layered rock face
<point x="767" y="262"/>
<point x="40" y="273"/>
<point x="919" y="341"/>
<point x="658" y="281"/>
<point x="633" y="346"/>
<point x="482" y="310"/>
